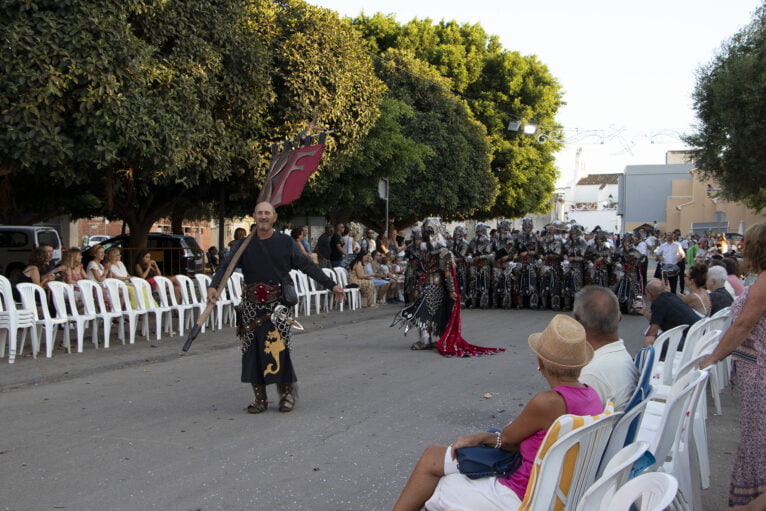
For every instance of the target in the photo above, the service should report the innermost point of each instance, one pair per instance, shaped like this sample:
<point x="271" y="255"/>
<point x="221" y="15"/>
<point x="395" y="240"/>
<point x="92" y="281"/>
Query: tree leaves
<point x="730" y="99"/>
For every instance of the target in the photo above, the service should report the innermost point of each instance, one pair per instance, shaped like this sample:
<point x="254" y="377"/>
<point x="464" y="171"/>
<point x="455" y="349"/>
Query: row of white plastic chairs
<point x="89" y="304"/>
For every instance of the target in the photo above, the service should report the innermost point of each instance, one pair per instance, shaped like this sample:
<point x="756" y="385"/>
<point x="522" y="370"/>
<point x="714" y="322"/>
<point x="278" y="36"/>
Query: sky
<point x="627" y="69"/>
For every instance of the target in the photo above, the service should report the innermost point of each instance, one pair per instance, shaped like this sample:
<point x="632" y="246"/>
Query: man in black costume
<point x="265" y="336"/>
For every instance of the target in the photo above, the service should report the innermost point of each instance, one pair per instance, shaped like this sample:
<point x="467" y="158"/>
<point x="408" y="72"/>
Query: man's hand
<point x="338" y="293"/>
<point x="212" y="295"/>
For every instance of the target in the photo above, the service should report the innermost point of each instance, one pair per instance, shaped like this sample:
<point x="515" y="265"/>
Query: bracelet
<point x="499" y="441"/>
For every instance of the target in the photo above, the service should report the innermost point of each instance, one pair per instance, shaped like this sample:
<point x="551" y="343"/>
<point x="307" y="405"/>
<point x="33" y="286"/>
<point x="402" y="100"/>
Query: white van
<point x="17" y="242"/>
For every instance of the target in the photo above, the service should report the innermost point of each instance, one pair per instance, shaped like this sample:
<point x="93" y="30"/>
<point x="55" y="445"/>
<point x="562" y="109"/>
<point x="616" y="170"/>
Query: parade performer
<point x="526" y="268"/>
<point x="482" y="259"/>
<point x="502" y="275"/>
<point x="266" y="263"/>
<point x="575" y="247"/>
<point x="626" y="268"/>
<point x="599" y="256"/>
<point x="436" y="310"/>
<point x="413" y="268"/>
<point x="551" y="274"/>
<point x="459" y="249"/>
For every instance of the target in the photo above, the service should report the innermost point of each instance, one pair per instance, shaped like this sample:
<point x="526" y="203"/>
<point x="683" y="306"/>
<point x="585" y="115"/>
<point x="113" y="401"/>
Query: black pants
<point x="681" y="274"/>
<point x="673" y="281"/>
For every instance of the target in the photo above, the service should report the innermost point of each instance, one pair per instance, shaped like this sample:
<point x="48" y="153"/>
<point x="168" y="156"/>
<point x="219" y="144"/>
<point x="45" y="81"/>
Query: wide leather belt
<point x="261" y="292"/>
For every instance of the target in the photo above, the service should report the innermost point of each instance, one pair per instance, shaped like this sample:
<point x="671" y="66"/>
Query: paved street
<point x="146" y="427"/>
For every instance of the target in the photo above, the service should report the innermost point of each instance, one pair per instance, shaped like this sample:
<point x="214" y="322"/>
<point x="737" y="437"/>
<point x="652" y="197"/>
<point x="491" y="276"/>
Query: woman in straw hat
<point x="435" y="481"/>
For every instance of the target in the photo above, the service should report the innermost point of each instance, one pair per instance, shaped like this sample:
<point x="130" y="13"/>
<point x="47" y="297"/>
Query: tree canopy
<point x="730" y="100"/>
<point x="496" y="85"/>
<point x="125" y="107"/>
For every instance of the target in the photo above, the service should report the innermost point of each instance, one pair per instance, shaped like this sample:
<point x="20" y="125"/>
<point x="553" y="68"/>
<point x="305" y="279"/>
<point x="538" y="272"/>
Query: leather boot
<point x="288" y="393"/>
<point x="261" y="402"/>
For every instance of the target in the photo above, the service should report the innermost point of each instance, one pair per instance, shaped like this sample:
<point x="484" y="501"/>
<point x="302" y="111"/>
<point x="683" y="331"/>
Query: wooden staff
<point x="194" y="332"/>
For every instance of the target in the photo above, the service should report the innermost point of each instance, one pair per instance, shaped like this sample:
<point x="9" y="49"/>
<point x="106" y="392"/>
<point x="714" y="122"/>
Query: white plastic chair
<point x="693" y="336"/>
<point x="234" y="287"/>
<point x="319" y="296"/>
<point x="94" y="305"/>
<point x="64" y="298"/>
<point x="647" y="492"/>
<point x="354" y="295"/>
<point x="669" y="340"/>
<point x="189" y="297"/>
<point x="302" y="291"/>
<point x="31" y="294"/>
<point x="168" y="299"/>
<point x="146" y="303"/>
<point x="669" y="434"/>
<point x="119" y="298"/>
<point x="12" y="320"/>
<point x="223" y="307"/>
<point x="616" y="473"/>
<point x="330" y="298"/>
<point x="620" y="437"/>
<point x="576" y="453"/>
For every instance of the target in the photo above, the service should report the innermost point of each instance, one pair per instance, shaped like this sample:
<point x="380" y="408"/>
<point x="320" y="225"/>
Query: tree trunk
<point x="177" y="221"/>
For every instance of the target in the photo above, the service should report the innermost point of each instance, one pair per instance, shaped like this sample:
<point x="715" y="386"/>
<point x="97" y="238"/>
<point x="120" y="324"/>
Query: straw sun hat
<point x="562" y="343"/>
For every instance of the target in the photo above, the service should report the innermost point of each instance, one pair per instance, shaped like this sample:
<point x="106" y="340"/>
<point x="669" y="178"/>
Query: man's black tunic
<point x="269" y="261"/>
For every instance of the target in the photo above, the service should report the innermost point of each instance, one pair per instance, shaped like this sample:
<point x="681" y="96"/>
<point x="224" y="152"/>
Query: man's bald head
<point x="655" y="288"/>
<point x="264" y="205"/>
<point x="598" y="310"/>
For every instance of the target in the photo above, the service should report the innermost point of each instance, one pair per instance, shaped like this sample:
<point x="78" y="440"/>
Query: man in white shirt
<point x="611" y="373"/>
<point x="643" y="248"/>
<point x="669" y="253"/>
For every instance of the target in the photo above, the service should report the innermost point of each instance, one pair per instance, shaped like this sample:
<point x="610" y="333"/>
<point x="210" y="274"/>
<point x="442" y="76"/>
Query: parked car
<point x="17" y="242"/>
<point x="95" y="240"/>
<point x="174" y="253"/>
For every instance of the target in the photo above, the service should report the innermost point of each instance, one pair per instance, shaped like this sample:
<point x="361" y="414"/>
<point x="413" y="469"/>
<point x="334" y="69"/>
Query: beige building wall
<point x="692" y="202"/>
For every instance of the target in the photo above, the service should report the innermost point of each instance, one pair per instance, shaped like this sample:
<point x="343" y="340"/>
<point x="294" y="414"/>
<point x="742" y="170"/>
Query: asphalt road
<point x="145" y="427"/>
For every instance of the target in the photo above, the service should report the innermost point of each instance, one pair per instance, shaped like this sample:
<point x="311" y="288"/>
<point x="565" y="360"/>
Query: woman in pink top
<point x="436" y="482"/>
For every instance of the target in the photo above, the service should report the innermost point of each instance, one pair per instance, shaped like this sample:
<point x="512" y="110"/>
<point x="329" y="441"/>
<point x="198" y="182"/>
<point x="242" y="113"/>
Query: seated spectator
<point x="667" y="311"/>
<point x="357" y="275"/>
<point x="297" y="234"/>
<point x="38" y="270"/>
<point x="114" y="268"/>
<point x="562" y="350"/>
<point x="371" y="269"/>
<point x="611" y="373"/>
<point x="72" y="263"/>
<point x="95" y="270"/>
<point x="73" y="270"/>
<point x="212" y="259"/>
<point x="720" y="298"/>
<point x="147" y="269"/>
<point x="732" y="277"/>
<point x="305" y="240"/>
<point x="394" y="284"/>
<point x="698" y="297"/>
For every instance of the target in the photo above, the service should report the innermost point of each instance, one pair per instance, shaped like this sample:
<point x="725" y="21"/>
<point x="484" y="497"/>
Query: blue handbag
<point x="482" y="461"/>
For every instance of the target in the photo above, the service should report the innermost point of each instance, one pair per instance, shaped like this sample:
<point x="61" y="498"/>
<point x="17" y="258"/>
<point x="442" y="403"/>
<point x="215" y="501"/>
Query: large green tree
<point x="497" y="85"/>
<point x="730" y="100"/>
<point x="137" y="108"/>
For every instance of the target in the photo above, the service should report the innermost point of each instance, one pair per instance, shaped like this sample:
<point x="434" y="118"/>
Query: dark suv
<point x="174" y="253"/>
